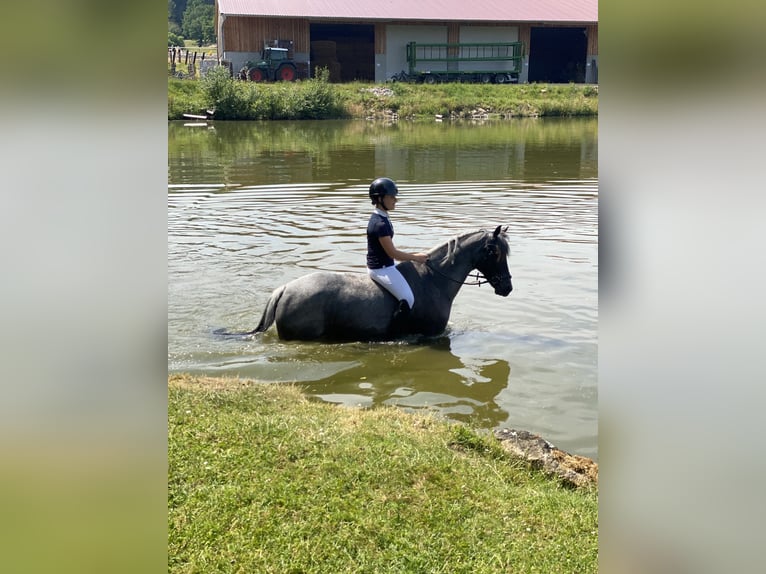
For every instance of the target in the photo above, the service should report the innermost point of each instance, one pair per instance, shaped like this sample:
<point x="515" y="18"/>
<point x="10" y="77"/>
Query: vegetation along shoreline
<point x="219" y="96"/>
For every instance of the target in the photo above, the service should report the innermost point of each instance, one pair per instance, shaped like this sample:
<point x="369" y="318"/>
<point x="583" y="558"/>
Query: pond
<point x="252" y="205"/>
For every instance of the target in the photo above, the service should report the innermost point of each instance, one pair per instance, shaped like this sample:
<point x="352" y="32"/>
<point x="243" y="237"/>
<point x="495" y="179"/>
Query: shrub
<point x="225" y="95"/>
<point x="319" y="99"/>
<point x="175" y="40"/>
<point x="312" y="99"/>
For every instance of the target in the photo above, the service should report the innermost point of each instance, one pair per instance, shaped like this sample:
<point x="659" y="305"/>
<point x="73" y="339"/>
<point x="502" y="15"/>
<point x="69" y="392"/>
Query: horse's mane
<point x="446" y="251"/>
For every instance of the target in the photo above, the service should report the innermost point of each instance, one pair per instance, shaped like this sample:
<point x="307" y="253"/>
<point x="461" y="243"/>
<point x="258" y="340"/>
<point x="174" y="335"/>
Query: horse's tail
<point x="267" y="319"/>
<point x="270" y="312"/>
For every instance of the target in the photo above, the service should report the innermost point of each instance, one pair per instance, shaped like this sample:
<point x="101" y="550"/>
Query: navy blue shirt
<point x="378" y="226"/>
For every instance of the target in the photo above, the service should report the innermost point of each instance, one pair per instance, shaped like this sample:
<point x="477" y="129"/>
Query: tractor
<point x="274" y="65"/>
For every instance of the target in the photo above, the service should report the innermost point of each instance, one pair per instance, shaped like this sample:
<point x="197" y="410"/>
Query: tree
<point x="198" y="22"/>
<point x="176" y="10"/>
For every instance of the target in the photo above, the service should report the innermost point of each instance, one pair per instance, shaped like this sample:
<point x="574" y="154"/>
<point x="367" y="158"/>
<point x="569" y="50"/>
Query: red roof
<point x="423" y="10"/>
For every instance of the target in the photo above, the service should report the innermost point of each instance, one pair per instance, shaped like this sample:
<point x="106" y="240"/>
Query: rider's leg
<point x="396" y="284"/>
<point x="401" y="317"/>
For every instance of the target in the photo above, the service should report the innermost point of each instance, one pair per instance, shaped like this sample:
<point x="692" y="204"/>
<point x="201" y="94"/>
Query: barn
<point x="366" y="39"/>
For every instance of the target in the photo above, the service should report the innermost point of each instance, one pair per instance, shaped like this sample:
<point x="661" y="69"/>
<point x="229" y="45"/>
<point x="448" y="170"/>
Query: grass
<point x="402" y="100"/>
<point x="263" y="480"/>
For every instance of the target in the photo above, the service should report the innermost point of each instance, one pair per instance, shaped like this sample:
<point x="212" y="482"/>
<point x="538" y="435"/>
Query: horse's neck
<point x="454" y="260"/>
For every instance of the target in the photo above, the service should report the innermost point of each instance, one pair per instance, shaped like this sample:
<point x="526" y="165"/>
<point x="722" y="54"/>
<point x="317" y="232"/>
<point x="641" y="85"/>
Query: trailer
<point x="498" y="62"/>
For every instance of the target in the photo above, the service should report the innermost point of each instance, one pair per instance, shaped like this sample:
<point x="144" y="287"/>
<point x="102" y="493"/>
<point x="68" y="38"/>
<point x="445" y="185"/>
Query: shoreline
<point x="222" y="97"/>
<point x="571" y="470"/>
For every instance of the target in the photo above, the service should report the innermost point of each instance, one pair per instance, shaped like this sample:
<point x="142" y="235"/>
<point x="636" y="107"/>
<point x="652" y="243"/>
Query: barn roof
<point x="422" y="10"/>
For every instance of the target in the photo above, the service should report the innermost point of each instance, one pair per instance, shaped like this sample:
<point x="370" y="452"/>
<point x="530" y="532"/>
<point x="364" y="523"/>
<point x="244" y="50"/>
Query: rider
<point x="381" y="252"/>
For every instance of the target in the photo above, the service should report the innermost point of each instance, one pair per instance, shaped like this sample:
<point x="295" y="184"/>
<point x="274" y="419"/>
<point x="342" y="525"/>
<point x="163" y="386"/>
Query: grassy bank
<point x="263" y="480"/>
<point x="318" y="99"/>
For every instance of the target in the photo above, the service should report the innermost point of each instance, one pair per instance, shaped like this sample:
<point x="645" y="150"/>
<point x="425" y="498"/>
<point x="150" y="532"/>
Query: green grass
<point x="263" y="480"/>
<point x="408" y="101"/>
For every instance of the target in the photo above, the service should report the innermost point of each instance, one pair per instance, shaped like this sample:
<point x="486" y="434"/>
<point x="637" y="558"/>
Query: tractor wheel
<point x="256" y="75"/>
<point x="286" y="73"/>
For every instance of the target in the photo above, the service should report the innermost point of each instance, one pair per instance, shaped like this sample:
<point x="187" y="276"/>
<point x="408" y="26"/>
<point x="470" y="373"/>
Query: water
<point x="252" y="205"/>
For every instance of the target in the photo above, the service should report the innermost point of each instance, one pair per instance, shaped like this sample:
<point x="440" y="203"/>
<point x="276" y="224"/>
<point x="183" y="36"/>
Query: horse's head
<point x="493" y="261"/>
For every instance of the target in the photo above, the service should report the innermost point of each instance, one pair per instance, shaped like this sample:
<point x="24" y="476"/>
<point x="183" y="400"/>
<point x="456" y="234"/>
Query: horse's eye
<point x="493" y="250"/>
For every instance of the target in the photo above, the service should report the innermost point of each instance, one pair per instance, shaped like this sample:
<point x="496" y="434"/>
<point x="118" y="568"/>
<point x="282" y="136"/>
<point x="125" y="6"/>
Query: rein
<point x="478" y="279"/>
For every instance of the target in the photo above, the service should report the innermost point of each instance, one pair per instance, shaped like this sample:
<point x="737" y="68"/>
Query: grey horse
<point x="338" y="307"/>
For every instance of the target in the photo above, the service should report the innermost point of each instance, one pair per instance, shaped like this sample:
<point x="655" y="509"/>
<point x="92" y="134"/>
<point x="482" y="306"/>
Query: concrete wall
<point x="238" y="59"/>
<point x="524" y="75"/>
<point x="486" y="34"/>
<point x="397" y="37"/>
<point x="591" y="69"/>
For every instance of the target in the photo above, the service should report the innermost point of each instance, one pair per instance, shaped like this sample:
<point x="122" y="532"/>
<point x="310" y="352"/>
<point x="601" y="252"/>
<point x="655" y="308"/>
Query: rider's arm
<point x="388" y="246"/>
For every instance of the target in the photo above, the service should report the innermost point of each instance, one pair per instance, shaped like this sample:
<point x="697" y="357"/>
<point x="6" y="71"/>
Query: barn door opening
<point x="557" y="55"/>
<point x="346" y="50"/>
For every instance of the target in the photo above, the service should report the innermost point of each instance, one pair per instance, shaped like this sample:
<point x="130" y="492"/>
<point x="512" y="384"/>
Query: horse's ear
<point x="497" y="231"/>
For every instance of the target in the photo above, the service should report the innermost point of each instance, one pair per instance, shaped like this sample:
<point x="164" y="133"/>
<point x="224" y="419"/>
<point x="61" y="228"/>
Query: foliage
<point x="222" y="93"/>
<point x="184" y="97"/>
<point x="233" y="99"/>
<point x="176" y="10"/>
<point x="314" y="99"/>
<point x="317" y="98"/>
<point x="174" y="27"/>
<point x="171" y="9"/>
<point x="198" y="22"/>
<point x="263" y="480"/>
<point x="175" y="40"/>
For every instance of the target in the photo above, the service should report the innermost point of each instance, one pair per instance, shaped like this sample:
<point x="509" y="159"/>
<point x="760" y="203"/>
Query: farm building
<point x="367" y="40"/>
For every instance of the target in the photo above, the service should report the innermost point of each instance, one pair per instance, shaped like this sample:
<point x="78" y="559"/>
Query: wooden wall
<point x="453" y="32"/>
<point x="592" y="32"/>
<point x="380" y="38"/>
<point x="245" y="34"/>
<point x="525" y="34"/>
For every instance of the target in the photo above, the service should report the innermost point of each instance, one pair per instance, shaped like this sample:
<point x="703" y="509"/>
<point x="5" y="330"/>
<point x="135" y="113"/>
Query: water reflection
<point x="423" y="375"/>
<point x="256" y="153"/>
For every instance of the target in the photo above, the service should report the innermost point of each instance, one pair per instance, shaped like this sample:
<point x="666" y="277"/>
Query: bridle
<point x="478" y="279"/>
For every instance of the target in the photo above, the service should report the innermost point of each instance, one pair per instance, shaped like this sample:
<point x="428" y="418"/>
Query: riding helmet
<point x="380" y="187"/>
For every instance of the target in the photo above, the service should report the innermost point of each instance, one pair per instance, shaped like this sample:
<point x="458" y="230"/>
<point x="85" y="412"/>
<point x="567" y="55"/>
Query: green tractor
<point x="274" y="65"/>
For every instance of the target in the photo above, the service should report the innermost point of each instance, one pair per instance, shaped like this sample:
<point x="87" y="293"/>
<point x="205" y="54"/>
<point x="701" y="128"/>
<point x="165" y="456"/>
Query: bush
<point x="230" y="99"/>
<point x="319" y="99"/>
<point x="175" y="40"/>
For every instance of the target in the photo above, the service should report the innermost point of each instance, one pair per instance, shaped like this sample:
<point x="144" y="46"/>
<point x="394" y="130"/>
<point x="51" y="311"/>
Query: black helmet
<point x="380" y="187"/>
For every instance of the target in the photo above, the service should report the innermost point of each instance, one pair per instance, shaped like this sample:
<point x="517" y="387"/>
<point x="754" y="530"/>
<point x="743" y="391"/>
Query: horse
<point x="345" y="307"/>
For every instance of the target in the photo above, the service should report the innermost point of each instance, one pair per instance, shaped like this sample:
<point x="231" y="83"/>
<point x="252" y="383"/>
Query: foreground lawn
<point x="263" y="480"/>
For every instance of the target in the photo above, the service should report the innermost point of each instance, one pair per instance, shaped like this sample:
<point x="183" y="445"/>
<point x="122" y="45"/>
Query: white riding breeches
<point x="394" y="282"/>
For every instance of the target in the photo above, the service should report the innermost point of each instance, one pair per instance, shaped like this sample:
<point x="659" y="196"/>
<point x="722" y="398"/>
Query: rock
<point x="573" y="470"/>
<point x="379" y="92"/>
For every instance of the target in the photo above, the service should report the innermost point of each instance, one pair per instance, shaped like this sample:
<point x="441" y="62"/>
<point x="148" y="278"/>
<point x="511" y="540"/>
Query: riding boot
<point x="401" y="318"/>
